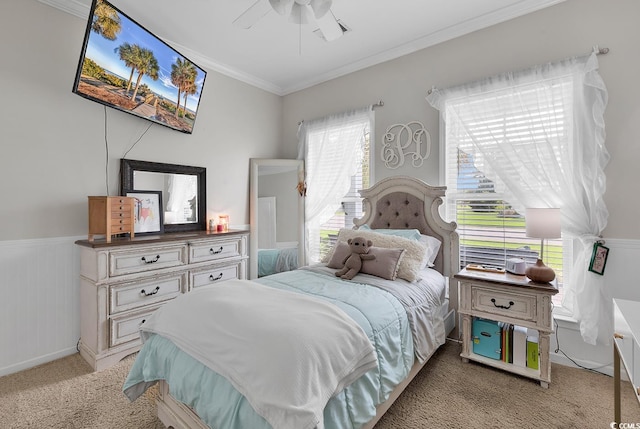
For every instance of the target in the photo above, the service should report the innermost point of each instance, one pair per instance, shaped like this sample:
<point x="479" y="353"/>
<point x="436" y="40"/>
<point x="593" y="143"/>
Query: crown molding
<point x="443" y="35"/>
<point x="81" y="10"/>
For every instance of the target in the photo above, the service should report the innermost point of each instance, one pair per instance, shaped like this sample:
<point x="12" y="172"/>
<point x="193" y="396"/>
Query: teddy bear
<point x="359" y="247"/>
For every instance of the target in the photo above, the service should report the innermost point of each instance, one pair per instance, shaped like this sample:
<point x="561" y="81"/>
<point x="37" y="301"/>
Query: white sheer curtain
<point x="331" y="148"/>
<point x="555" y="158"/>
<point x="182" y="188"/>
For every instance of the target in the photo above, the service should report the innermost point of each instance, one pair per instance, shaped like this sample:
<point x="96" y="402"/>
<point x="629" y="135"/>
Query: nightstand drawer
<point x="515" y="305"/>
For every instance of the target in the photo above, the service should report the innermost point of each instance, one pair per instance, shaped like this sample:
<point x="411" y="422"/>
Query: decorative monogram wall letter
<point x="400" y="139"/>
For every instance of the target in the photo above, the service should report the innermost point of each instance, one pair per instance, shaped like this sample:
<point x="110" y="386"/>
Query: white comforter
<point x="251" y="360"/>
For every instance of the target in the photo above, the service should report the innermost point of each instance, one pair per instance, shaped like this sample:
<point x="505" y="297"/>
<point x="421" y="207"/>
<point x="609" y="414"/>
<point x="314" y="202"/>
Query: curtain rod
<point x="380" y="103"/>
<point x="598" y="50"/>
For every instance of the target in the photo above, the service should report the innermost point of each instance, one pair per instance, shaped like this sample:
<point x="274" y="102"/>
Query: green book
<point x="532" y="350"/>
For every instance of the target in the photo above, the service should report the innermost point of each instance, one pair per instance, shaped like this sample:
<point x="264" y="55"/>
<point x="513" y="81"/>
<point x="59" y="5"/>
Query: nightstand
<point x="512" y="299"/>
<point x="626" y="328"/>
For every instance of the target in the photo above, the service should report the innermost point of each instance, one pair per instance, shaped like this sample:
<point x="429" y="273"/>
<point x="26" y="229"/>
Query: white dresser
<point x="123" y="282"/>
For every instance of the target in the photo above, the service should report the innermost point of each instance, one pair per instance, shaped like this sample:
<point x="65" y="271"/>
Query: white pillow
<point x="412" y="234"/>
<point x="411" y="262"/>
<point x="433" y="247"/>
<point x="431" y="243"/>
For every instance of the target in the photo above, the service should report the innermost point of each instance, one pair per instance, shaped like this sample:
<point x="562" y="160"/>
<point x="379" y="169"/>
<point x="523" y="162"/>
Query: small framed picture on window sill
<point x="599" y="258"/>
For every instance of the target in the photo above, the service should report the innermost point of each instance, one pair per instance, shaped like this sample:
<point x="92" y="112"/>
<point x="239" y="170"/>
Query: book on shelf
<point x="532" y="349"/>
<point x="506" y="342"/>
<point x="520" y="346"/>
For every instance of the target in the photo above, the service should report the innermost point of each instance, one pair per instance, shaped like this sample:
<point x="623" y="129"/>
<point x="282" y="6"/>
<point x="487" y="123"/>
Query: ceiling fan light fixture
<point x="283" y="7"/>
<point x="300" y="14"/>
<point x="320" y="7"/>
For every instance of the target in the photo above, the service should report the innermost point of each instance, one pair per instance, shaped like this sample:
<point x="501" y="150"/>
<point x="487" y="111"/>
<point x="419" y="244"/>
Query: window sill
<point x="564" y="317"/>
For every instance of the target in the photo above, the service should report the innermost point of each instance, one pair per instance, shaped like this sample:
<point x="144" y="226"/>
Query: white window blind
<point x="482" y="133"/>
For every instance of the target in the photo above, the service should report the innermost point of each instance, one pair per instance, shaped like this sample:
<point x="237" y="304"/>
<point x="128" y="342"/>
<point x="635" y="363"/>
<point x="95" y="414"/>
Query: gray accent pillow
<point x="385" y="265"/>
<point x="411" y="263"/>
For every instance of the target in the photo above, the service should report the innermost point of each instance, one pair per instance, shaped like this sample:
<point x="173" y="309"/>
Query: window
<point x="351" y="204"/>
<point x="538" y="136"/>
<point x="481" y="133"/>
<point x="336" y="151"/>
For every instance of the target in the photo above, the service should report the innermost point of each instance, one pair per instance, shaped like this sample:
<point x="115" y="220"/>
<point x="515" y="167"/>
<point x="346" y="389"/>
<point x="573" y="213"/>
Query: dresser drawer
<point x="125" y="327"/>
<point x="213" y="275"/>
<point x="127" y="296"/>
<point x="516" y="305"/>
<point x="142" y="260"/>
<point x="121" y="205"/>
<point x="120" y="226"/>
<point x="215" y="250"/>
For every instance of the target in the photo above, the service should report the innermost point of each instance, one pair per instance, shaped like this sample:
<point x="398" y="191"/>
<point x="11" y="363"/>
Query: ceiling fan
<point x="298" y="12"/>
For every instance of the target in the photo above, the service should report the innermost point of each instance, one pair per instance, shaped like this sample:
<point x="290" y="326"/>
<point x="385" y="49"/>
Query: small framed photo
<point x="147" y="212"/>
<point x="598" y="258"/>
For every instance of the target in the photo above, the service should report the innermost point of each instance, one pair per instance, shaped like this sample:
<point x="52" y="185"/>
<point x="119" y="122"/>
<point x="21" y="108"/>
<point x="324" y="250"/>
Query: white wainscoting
<point x="39" y="301"/>
<point x="622" y="279"/>
<point x="40" y="314"/>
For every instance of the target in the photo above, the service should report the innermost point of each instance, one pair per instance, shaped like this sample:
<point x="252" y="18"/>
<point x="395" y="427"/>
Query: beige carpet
<point x="446" y="394"/>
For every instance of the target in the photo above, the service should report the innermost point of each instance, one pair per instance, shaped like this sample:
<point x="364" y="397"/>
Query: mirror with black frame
<point x="277" y="216"/>
<point x="183" y="187"/>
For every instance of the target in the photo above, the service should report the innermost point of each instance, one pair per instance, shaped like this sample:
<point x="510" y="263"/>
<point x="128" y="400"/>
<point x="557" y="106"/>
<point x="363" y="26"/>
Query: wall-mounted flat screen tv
<point x="125" y="66"/>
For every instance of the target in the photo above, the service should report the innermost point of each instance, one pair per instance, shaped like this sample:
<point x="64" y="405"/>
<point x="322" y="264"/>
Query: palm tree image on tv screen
<point x="126" y="67"/>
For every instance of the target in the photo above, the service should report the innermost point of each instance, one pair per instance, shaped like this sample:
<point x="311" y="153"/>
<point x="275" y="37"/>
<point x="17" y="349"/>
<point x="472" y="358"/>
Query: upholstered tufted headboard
<point x="405" y="202"/>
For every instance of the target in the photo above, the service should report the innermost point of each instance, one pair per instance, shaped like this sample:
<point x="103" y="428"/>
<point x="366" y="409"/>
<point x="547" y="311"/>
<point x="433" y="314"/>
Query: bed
<point x="404" y="319"/>
<point x="277" y="260"/>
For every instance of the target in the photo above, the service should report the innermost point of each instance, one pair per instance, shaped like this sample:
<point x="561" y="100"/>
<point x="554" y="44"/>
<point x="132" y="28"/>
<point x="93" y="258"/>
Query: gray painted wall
<point x="568" y="29"/>
<point x="53" y="141"/>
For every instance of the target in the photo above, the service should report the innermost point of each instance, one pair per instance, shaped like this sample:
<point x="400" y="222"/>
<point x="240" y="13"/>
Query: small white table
<point x="509" y="298"/>
<point x="626" y="347"/>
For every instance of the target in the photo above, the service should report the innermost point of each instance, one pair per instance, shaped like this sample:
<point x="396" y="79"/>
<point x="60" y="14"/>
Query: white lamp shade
<point x="543" y="223"/>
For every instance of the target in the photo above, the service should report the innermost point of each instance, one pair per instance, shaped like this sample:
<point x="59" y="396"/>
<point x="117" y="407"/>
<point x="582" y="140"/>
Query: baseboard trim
<point x="606" y="369"/>
<point x="31" y="363"/>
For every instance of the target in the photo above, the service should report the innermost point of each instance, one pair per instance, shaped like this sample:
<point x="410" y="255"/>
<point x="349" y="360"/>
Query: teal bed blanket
<point x="272" y="261"/>
<point x="381" y="315"/>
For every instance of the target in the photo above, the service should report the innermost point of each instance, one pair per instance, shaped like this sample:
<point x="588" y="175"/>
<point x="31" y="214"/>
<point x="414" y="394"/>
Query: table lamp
<point x="542" y="223"/>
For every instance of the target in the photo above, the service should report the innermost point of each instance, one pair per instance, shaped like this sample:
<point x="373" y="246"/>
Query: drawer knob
<point x="213" y="279"/>
<point x="155" y="291"/>
<point x="506" y="307"/>
<point x="150" y="261"/>
<point x="215" y="252"/>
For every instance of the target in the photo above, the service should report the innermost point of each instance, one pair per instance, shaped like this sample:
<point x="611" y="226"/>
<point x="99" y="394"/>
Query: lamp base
<point x="539" y="272"/>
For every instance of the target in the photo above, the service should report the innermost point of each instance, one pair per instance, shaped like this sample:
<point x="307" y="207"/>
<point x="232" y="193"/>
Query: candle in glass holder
<point x="223" y="222"/>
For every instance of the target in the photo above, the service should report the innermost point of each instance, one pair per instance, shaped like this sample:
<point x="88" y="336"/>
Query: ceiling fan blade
<point x="329" y="27"/>
<point x="300" y="14"/>
<point x="283" y="7"/>
<point x="320" y="7"/>
<point x="252" y="15"/>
